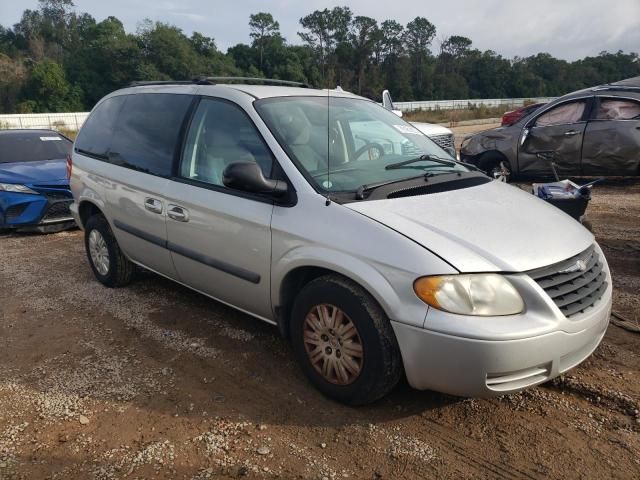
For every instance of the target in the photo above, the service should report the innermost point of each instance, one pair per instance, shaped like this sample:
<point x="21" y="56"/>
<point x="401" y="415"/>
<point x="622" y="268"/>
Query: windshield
<point x="341" y="144"/>
<point x="31" y="147"/>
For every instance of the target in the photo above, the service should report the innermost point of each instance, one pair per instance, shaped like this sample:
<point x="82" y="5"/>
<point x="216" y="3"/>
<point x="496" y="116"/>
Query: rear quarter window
<point x="147" y="132"/>
<point x="96" y="133"/>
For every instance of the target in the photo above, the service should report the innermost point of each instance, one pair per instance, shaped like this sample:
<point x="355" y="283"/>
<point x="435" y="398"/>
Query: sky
<point x="569" y="29"/>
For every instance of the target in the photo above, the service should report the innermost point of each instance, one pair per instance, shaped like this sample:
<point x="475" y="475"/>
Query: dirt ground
<point x="156" y="381"/>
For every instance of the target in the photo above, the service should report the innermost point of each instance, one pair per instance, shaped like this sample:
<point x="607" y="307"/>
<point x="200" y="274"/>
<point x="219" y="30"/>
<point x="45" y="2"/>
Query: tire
<point x="380" y="363"/>
<point x="120" y="270"/>
<point x="496" y="167"/>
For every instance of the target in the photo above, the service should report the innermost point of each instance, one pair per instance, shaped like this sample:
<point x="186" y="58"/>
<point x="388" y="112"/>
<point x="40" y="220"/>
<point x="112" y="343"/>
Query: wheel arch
<point x="287" y="284"/>
<point x="488" y="158"/>
<point x="86" y="209"/>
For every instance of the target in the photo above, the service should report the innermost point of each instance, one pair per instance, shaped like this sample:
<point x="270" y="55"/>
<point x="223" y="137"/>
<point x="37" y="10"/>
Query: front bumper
<point x="47" y="208"/>
<point x="471" y="367"/>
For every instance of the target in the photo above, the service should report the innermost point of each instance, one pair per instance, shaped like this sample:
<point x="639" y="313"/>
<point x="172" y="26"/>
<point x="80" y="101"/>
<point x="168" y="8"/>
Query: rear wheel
<point x="107" y="261"/>
<point x="344" y="341"/>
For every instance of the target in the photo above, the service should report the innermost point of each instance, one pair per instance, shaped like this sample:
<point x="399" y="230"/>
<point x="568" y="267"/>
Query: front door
<point x="559" y="130"/>
<point x="220" y="239"/>
<point x="612" y="138"/>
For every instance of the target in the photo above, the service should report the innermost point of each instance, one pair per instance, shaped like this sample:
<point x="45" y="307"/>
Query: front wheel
<point x="495" y="166"/>
<point x="344" y="341"/>
<point x="107" y="261"/>
<point x="500" y="171"/>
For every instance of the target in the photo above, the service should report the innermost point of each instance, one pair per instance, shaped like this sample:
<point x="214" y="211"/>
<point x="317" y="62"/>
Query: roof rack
<point x="220" y="80"/>
<point x="623" y="88"/>
<point x="273" y="81"/>
<point x="195" y="81"/>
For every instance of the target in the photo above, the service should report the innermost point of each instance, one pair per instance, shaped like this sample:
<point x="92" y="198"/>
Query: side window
<point x="147" y="132"/>
<point x="221" y="134"/>
<point x="618" y="109"/>
<point x="570" y="112"/>
<point x="96" y="133"/>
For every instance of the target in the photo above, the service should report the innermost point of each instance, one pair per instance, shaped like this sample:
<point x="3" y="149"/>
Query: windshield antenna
<point x="328" y="199"/>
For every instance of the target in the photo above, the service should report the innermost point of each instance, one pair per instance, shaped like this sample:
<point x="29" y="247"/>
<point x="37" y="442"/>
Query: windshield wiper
<point x="421" y="158"/>
<point x="362" y="189"/>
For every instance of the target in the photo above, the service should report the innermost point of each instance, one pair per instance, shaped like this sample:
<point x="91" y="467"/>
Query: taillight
<point x="69" y="167"/>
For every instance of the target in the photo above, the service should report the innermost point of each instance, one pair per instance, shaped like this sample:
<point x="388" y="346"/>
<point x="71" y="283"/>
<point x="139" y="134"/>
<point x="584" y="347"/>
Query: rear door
<point x="559" y="129"/>
<point x="612" y="138"/>
<point x="142" y="153"/>
<point x="220" y="239"/>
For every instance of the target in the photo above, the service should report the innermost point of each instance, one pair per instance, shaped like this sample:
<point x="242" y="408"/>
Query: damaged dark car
<point x="591" y="132"/>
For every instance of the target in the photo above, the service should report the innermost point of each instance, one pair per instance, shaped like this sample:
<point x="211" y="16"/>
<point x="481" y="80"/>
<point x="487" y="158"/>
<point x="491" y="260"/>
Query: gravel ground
<point x="155" y="381"/>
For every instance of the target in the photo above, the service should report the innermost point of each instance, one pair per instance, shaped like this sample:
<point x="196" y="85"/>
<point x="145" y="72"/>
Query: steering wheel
<point x="367" y="148"/>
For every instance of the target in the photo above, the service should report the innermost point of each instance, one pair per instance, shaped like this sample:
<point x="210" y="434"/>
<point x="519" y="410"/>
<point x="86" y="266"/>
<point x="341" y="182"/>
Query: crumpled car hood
<point x="486" y="140"/>
<point x="43" y="171"/>
<point x="486" y="228"/>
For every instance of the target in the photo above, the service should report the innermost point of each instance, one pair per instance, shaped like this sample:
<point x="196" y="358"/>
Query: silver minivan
<point x="370" y="248"/>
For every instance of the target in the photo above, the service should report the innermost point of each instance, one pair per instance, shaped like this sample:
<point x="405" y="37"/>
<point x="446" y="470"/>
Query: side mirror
<point x="397" y="112"/>
<point x="525" y="135"/>
<point x="451" y="151"/>
<point x="248" y="177"/>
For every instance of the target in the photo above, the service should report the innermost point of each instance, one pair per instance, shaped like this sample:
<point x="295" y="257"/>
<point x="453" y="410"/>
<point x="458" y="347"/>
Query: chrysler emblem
<point x="579" y="266"/>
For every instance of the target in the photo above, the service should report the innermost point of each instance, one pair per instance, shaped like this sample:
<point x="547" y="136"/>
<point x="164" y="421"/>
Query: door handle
<point x="153" y="205"/>
<point x="571" y="133"/>
<point x="178" y="213"/>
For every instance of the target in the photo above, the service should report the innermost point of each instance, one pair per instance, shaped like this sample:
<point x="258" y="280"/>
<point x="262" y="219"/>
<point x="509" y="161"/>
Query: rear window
<point x="95" y="135"/>
<point x="147" y="132"/>
<point x="31" y="147"/>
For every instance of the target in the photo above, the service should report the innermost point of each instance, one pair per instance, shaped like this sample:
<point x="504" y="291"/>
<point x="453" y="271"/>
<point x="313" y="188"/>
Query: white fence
<point x="508" y="103"/>
<point x="55" y="121"/>
<point x="73" y="121"/>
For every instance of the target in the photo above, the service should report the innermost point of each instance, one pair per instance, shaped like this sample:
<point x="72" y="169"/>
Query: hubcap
<point x="99" y="252"/>
<point x="333" y="344"/>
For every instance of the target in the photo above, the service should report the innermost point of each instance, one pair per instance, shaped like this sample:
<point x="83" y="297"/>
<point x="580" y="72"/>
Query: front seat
<point x="220" y="149"/>
<point x="296" y="129"/>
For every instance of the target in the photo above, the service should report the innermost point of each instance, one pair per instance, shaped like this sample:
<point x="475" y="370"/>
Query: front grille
<point x="58" y="211"/>
<point x="15" y="211"/>
<point x="53" y="196"/>
<point x="575" y="284"/>
<point x="445" y="141"/>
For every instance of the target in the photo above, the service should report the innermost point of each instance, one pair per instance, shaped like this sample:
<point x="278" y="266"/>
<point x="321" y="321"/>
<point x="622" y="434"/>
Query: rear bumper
<point x="484" y="368"/>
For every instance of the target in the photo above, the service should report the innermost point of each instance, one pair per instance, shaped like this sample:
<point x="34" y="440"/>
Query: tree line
<point x="56" y="59"/>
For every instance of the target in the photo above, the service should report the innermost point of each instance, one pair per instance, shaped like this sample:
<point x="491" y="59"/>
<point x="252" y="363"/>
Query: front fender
<point x="399" y="303"/>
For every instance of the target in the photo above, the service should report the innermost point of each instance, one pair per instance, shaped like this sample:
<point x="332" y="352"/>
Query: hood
<point x="486" y="228"/>
<point x="431" y="129"/>
<point x="36" y="172"/>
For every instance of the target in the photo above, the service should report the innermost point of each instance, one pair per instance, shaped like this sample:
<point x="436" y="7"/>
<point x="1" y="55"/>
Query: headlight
<point x="483" y="294"/>
<point x="14" y="188"/>
<point x="465" y="142"/>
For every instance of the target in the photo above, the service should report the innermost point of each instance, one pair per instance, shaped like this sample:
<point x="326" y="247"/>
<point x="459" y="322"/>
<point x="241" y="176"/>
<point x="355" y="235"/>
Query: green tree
<point x="325" y="29"/>
<point x="418" y="37"/>
<point x="48" y="89"/>
<point x="363" y="36"/>
<point x="262" y="27"/>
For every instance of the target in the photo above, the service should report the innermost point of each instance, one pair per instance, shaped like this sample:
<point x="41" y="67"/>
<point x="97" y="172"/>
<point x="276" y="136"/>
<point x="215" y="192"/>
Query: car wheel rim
<point x="500" y="172"/>
<point x="333" y="344"/>
<point x="99" y="252"/>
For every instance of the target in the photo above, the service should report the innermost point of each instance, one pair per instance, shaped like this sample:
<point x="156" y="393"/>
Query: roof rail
<point x="220" y="80"/>
<point x="249" y="80"/>
<point x="195" y="81"/>
<point x="623" y="88"/>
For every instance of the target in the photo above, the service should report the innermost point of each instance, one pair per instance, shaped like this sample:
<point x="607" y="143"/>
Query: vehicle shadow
<point x="159" y="346"/>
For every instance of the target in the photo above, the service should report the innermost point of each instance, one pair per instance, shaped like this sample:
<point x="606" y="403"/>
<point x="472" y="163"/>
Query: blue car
<point x="34" y="188"/>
